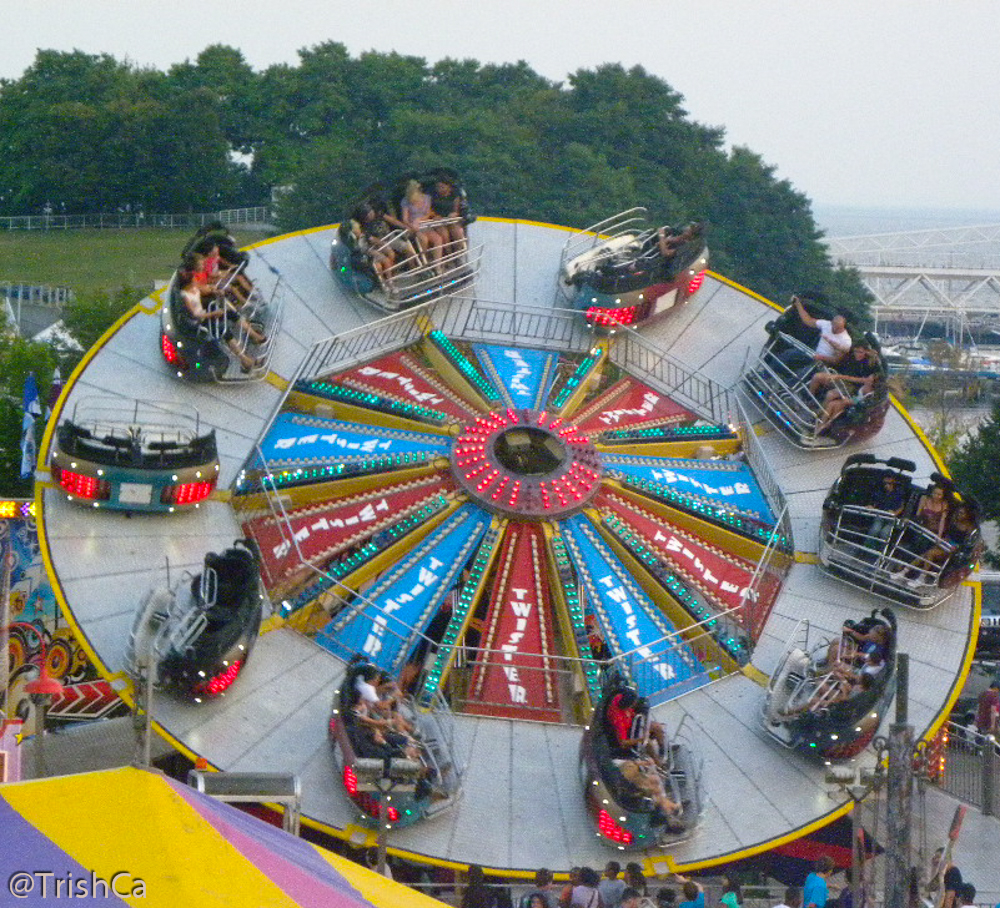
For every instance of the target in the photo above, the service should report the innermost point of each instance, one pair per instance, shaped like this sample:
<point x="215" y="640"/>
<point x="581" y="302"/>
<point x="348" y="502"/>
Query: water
<point x="845" y="220"/>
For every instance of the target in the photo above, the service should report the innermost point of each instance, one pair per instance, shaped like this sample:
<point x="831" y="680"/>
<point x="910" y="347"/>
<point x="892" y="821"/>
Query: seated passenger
<point x="888" y="496"/>
<point x="669" y="242"/>
<point x="932" y="515"/>
<point x="444" y="204"/>
<point x="858" y="371"/>
<point x="645" y="776"/>
<point x="417" y="214"/>
<point x="216" y="271"/>
<point x="832" y="690"/>
<point x="834" y="341"/>
<point x="962" y="523"/>
<point x="192" y="292"/>
<point x="628" y="717"/>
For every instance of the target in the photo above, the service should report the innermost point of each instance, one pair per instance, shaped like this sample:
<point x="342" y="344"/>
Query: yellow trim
<point x="292" y="235"/>
<point x="807" y="558"/>
<point x="755" y="674"/>
<point x="680" y="448"/>
<point x="746" y="290"/>
<point x="43" y="448"/>
<point x="276" y="381"/>
<point x="924" y="440"/>
<point x="223" y="495"/>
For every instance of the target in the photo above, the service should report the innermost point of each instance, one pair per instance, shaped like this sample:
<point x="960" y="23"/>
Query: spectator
<point x="988" y="710"/>
<point x="694" y="895"/>
<point x="815" y="892"/>
<point x="631" y="898"/>
<point x="793" y="898"/>
<point x="611" y="886"/>
<point x="585" y="894"/>
<point x="567" y="891"/>
<point x="477" y="894"/>
<point x="545" y="888"/>
<point x="732" y="897"/>
<point x="635" y="879"/>
<point x="953" y="884"/>
<point x="666" y="898"/>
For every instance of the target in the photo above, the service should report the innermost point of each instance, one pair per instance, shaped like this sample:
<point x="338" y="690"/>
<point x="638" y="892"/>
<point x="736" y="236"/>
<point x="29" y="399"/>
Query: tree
<point x="18" y="357"/>
<point x="89" y="315"/>
<point x="974" y="465"/>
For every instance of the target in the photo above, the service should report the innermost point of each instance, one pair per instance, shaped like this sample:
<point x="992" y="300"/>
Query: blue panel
<point x="525" y="376"/>
<point x="730" y="484"/>
<point x="631" y="621"/>
<point x="407" y="597"/>
<point x="308" y="439"/>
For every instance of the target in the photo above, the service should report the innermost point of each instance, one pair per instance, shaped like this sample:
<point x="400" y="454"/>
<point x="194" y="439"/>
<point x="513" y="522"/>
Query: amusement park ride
<point x="477" y="525"/>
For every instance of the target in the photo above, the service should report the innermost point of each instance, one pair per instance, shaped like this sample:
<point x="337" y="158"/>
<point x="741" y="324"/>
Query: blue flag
<point x="32" y="408"/>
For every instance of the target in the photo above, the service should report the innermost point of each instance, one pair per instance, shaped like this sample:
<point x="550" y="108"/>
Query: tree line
<point x="81" y="132"/>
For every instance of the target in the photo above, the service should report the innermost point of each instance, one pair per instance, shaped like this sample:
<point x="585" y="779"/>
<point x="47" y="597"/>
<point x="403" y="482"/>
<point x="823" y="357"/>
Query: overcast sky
<point x="882" y="103"/>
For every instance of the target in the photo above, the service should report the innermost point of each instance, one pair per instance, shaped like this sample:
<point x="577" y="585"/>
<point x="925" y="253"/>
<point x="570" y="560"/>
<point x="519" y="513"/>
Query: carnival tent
<point x="137" y="837"/>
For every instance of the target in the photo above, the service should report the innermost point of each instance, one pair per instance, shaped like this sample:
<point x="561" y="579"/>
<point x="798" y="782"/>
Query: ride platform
<point x="522" y="806"/>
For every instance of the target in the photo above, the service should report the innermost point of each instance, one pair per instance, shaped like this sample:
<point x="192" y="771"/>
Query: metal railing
<point x="21" y="292"/>
<point x="644" y="360"/>
<point x="970" y="768"/>
<point x="119" y="220"/>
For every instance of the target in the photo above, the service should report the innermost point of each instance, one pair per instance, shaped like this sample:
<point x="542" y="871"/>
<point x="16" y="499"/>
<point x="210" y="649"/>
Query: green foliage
<point x="85" y="132"/>
<point x="91" y="314"/>
<point x="18" y="357"/>
<point x="974" y="465"/>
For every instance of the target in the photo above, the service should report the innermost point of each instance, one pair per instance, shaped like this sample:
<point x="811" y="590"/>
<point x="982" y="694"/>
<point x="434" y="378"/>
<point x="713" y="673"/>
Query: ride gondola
<point x="150" y="457"/>
<point x="376" y="255"/>
<point x="195" y="638"/>
<point x="872" y="535"/>
<point x="236" y="344"/>
<point x="621" y="271"/>
<point x="399" y="774"/>
<point x="828" y="696"/>
<point x="624" y="787"/>
<point x="811" y="411"/>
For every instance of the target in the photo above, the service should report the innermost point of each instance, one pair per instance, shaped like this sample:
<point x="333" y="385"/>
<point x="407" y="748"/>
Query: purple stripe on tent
<point x="291" y="863"/>
<point x="25" y="850"/>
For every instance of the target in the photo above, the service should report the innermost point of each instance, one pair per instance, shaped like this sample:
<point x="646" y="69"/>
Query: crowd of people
<point x="917" y="530"/>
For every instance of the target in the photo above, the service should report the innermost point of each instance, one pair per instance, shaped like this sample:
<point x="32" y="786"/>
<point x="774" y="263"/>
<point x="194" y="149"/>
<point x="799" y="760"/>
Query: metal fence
<point x="970" y="768"/>
<point x="121" y="220"/>
<point x="36" y="294"/>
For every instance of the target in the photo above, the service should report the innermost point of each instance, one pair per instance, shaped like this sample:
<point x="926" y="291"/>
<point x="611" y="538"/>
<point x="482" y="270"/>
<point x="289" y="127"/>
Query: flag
<point x="31" y="402"/>
<point x="54" y="392"/>
<point x="32" y="408"/>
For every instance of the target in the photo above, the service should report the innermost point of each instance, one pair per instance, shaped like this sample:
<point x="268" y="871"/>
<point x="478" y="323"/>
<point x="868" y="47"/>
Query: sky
<point x="883" y="103"/>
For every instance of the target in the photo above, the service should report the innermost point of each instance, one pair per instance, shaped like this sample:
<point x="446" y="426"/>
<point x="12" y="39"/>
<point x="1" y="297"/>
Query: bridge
<point x="949" y="277"/>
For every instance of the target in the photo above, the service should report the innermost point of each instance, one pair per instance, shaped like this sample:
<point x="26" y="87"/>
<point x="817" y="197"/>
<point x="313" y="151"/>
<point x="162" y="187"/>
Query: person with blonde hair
<point x="417" y="215"/>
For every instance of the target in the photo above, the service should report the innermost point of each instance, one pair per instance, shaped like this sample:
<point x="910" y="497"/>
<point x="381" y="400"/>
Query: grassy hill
<point x="91" y="260"/>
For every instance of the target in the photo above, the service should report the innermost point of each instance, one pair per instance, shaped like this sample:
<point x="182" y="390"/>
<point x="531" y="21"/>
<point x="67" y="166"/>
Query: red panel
<point x="516" y="679"/>
<point x="323" y="530"/>
<point x="398" y="375"/>
<point x="631" y="404"/>
<point x="716" y="573"/>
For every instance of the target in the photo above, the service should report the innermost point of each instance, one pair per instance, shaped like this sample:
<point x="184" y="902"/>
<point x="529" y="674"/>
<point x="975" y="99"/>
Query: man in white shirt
<point x="612" y="886"/>
<point x="833" y="344"/>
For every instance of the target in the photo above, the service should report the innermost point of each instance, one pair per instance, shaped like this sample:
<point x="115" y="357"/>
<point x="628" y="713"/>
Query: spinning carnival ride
<point x="497" y="507"/>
